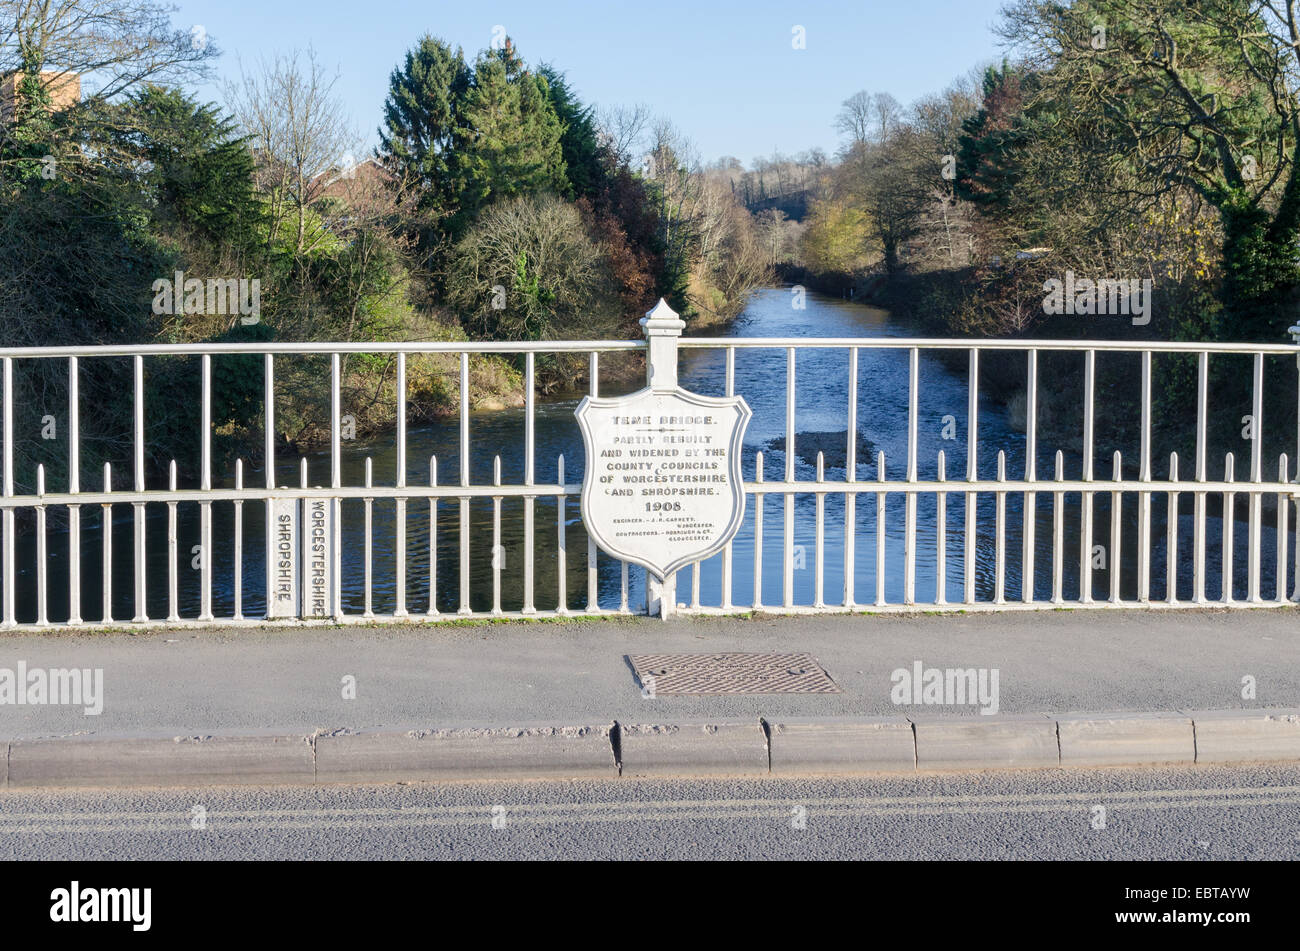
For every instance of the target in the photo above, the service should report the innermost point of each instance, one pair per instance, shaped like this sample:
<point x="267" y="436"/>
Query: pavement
<point x="552" y="700"/>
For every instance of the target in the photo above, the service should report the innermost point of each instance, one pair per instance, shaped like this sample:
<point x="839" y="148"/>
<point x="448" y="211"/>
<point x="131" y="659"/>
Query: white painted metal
<point x="10" y="570"/>
<point x="850" y="477"/>
<point x="140" y="566"/>
<point x="399" y="540"/>
<point x="1085" y="533"/>
<point x="909" y="503"/>
<point x="464" y="482"/>
<point x="210" y="490"/>
<point x="530" y="442"/>
<point x="1031" y="474"/>
<point x="758" y="494"/>
<point x="787" y="572"/>
<point x="173" y="613"/>
<point x="972" y="471"/>
<point x="74" y="486"/>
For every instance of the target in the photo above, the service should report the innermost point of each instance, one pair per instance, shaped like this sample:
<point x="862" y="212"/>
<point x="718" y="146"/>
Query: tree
<point x="528" y="270"/>
<point x="513" y="136"/>
<point x="584" y="158"/>
<point x="187" y="156"/>
<point x="424" y="127"/>
<point x="297" y="128"/>
<point x="120" y="44"/>
<point x="1186" y="100"/>
<point x="867" y="117"/>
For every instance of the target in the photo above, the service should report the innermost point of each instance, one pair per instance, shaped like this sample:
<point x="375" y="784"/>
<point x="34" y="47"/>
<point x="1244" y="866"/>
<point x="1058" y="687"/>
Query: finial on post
<point x="662" y="326"/>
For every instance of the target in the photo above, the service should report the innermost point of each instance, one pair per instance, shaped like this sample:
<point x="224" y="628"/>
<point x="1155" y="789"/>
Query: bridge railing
<point x="885" y="536"/>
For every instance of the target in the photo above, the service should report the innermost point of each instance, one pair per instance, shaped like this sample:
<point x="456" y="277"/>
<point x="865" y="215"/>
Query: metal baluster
<point x="1229" y="499"/>
<point x="173" y="611"/>
<point x="498" y="554"/>
<point x="909" y="501"/>
<point x="1116" y="537"/>
<point x="787" y="563"/>
<point x="561" y="552"/>
<point x="399" y="556"/>
<point x="106" y="558"/>
<point x="1058" y="533"/>
<point x="74" y="487"/>
<point x="1085" y="501"/>
<point x="941" y="537"/>
<point x="1000" y="518"/>
<point x="758" y="532"/>
<point x="140" y="566"/>
<point x="336" y="482"/>
<point x="529" y="479"/>
<point x="1198" y="564"/>
<point x="593" y="599"/>
<point x="850" y="477"/>
<point x="820" y="543"/>
<point x="239" y="542"/>
<point x="1144" y="497"/>
<point x="268" y="452"/>
<point x="464" y="482"/>
<point x="1281" y="533"/>
<point x="726" y="551"/>
<point x="1256" y="476"/>
<point x="205" y="507"/>
<point x="972" y="472"/>
<point x="1171" y="542"/>
<point x="10" y="614"/>
<point x="880" y="529"/>
<point x="42" y="587"/>
<point x="433" y="538"/>
<point x="1031" y="474"/>
<point x="369" y="542"/>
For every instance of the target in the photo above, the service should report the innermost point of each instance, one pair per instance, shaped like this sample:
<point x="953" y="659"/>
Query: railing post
<point x="1294" y="331"/>
<point x="662" y="326"/>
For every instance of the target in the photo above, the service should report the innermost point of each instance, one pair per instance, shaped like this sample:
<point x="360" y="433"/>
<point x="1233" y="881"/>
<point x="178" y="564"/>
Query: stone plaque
<point x="283" y="556"/>
<point x="317" y="563"/>
<point x="300" y="554"/>
<point x="662" y="485"/>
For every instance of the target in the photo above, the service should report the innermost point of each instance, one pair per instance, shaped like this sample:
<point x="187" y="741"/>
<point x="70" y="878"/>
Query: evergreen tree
<point x="583" y="160"/>
<point x="199" y="174"/>
<point x="513" y="135"/>
<point x="422" y="131"/>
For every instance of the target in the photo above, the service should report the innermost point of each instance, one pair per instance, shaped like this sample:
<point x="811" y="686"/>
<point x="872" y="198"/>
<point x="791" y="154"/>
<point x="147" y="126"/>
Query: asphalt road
<point x="1187" y="813"/>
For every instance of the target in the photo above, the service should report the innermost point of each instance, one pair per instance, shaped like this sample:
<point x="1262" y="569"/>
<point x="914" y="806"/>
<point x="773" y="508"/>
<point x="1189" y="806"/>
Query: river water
<point x="821" y="421"/>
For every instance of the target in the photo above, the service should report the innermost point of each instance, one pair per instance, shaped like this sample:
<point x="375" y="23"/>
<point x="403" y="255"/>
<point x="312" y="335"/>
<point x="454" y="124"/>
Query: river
<point x="821" y="423"/>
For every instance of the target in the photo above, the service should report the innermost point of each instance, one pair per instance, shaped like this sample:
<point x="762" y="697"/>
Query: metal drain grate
<point x="731" y="673"/>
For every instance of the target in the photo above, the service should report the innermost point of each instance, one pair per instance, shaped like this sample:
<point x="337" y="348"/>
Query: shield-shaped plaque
<point x="662" y="485"/>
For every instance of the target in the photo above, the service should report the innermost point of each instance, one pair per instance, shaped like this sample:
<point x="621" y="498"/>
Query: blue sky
<point x="725" y="72"/>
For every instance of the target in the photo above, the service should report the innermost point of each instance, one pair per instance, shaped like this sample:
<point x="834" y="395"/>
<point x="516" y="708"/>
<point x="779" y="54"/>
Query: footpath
<point x="563" y="700"/>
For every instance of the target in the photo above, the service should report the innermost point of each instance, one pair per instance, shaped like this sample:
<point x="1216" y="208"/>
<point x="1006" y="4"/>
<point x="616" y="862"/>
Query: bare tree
<point x="868" y="117"/>
<point x="621" y="128"/>
<point x="298" y="129"/>
<point x="113" y="45"/>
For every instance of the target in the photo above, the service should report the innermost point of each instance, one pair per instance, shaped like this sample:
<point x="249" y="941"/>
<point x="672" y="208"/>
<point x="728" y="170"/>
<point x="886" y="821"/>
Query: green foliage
<point x="528" y="270"/>
<point x="584" y="161"/>
<point x="187" y="158"/>
<point x="422" y="131"/>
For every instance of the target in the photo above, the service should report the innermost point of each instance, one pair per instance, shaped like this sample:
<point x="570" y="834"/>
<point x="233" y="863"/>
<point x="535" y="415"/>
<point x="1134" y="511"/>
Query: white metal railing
<point x="418" y="597"/>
